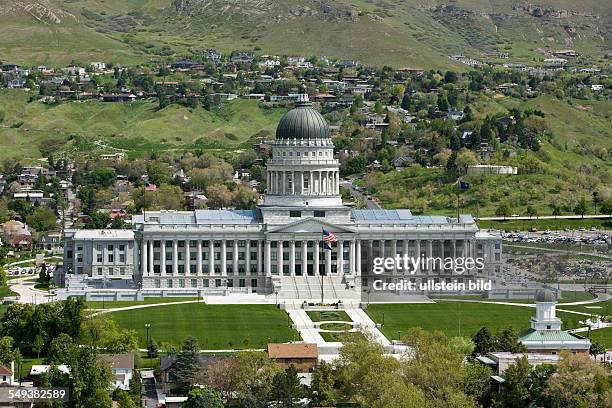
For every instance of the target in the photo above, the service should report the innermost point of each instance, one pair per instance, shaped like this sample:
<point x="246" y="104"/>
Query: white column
<point x="394" y="253"/>
<point x="453" y="248"/>
<point x="358" y="256"/>
<point x="151" y="258"/>
<point x="223" y="258"/>
<point x="247" y="257"/>
<point x="301" y="182"/>
<point x="429" y="250"/>
<point x="340" y="257"/>
<point x="163" y="257"/>
<point x="316" y="248"/>
<point x="284" y="188"/>
<point x="187" y="257"/>
<point x="337" y="189"/>
<point x="381" y="248"/>
<point x="320" y="185"/>
<point x="311" y="184"/>
<point x="352" y="257"/>
<point x="405" y="252"/>
<point x="199" y="258"/>
<point x="292" y="257"/>
<point x="268" y="259"/>
<point x="259" y="257"/>
<point x="211" y="257"/>
<point x="144" y="258"/>
<point x="174" y="257"/>
<point x="279" y="250"/>
<point x="293" y="183"/>
<point x="304" y="258"/>
<point x="235" y="257"/>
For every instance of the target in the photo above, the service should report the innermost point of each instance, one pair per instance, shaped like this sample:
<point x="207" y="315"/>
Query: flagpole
<point x="319" y="267"/>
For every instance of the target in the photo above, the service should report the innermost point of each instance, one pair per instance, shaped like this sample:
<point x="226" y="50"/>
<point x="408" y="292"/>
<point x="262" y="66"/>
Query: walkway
<point x="26" y="292"/>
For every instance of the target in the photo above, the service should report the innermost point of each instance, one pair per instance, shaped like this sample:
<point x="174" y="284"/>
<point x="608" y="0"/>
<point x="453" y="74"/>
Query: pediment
<point x="310" y="225"/>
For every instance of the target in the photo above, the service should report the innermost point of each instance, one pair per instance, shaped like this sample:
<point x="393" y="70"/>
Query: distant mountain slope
<point x="418" y="33"/>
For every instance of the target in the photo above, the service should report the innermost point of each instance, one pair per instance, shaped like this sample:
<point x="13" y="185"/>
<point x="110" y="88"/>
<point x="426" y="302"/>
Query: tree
<point x="515" y="393"/>
<point x="59" y="349"/>
<point x="508" y="340"/>
<point x="152" y="349"/>
<point x="597" y="348"/>
<point x="255" y="373"/>
<point x="219" y="196"/>
<point x="8" y="352"/>
<point x="532" y="211"/>
<point x="579" y="382"/>
<point x="476" y="382"/>
<point x="484" y="342"/>
<point x="187" y="361"/>
<point x="582" y="207"/>
<point x="101" y="333"/>
<point x="503" y="210"/>
<point x="205" y="397"/>
<point x="123" y="399"/>
<point x="450" y="77"/>
<point x="322" y="387"/>
<point x="606" y="207"/>
<point x="222" y="375"/>
<point x="465" y="158"/>
<point x="406" y="102"/>
<point x="286" y="388"/>
<point x="42" y="219"/>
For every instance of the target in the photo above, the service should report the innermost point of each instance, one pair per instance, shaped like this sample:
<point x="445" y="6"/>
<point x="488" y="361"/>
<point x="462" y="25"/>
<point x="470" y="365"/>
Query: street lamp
<point x="276" y="301"/>
<point x="383" y="322"/>
<point x="399" y="335"/>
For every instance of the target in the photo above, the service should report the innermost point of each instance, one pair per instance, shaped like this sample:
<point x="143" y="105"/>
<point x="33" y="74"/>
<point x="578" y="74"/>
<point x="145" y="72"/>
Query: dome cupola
<point x="303" y="121"/>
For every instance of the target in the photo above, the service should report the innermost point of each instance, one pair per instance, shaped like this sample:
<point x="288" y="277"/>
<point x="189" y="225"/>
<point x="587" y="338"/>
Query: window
<point x="242" y="283"/>
<point x="111" y="258"/>
<point x="156" y="268"/>
<point x="99" y="271"/>
<point x="121" y="257"/>
<point x="122" y="247"/>
<point x="230" y="283"/>
<point x="181" y="283"/>
<point x="110" y="248"/>
<point x="218" y="283"/>
<point x="169" y="283"/>
<point x="156" y="283"/>
<point x="100" y="257"/>
<point x="194" y="283"/>
<point x="295" y="214"/>
<point x="497" y="246"/>
<point x="319" y="214"/>
<point x="254" y="283"/>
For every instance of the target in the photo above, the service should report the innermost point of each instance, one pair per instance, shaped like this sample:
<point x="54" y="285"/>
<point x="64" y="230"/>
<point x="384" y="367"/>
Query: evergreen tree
<point x="187" y="361"/>
<point x="286" y="388"/>
<point x="323" y="386"/>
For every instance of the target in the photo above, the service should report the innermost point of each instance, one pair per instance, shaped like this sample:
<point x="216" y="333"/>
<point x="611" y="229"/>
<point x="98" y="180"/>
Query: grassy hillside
<point x="571" y="165"/>
<point x="394" y="32"/>
<point x="138" y="127"/>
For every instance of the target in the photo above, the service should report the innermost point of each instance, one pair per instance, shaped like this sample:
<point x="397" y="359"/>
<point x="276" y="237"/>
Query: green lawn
<point x="335" y="315"/>
<point x="599" y="308"/>
<point x="456" y="318"/>
<point x="5" y="291"/>
<point x="603" y="336"/>
<point x="147" y="301"/>
<point x="333" y="337"/>
<point x="215" y="326"/>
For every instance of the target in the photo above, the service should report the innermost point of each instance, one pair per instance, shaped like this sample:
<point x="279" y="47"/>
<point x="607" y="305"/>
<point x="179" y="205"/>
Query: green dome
<point x="545" y="295"/>
<point x="302" y="122"/>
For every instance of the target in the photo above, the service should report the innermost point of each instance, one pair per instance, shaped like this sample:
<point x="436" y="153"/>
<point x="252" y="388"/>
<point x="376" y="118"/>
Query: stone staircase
<point x="308" y="288"/>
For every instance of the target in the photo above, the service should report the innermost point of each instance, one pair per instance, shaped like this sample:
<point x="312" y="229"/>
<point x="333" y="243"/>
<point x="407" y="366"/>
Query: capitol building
<point x="275" y="249"/>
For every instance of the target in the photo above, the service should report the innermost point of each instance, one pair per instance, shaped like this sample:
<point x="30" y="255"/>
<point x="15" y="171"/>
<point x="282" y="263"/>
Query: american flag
<point x="328" y="239"/>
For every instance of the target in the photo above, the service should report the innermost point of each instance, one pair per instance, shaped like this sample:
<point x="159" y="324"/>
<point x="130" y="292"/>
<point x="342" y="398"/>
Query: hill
<point x="33" y="129"/>
<point x="395" y="32"/>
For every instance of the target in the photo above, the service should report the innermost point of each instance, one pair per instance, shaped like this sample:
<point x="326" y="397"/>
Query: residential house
<point x="348" y="63"/>
<point x="402" y="161"/>
<point x="303" y="356"/>
<point x="121" y="97"/>
<point x="76" y="71"/>
<point x="238" y="57"/>
<point x="16" y="233"/>
<point x="184" y="64"/>
<point x="212" y="55"/>
<point x="122" y="366"/>
<point x="7" y="375"/>
<point x="455" y="114"/>
<point x="97" y="66"/>
<point x="491" y="169"/>
<point x="17" y="83"/>
<point x="37" y="370"/>
<point x="597" y="87"/>
<point x="51" y="240"/>
<point x="374" y="166"/>
<point x="499" y="362"/>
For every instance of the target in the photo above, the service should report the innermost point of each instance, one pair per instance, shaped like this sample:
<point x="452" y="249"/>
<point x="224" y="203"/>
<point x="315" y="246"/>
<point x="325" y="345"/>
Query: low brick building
<point x="303" y="356"/>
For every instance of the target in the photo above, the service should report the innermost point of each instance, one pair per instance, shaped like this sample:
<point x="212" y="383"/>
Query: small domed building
<point x="276" y="248"/>
<point x="545" y="335"/>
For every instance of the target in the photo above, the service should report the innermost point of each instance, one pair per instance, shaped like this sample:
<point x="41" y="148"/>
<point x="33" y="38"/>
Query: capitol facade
<point x="275" y="249"/>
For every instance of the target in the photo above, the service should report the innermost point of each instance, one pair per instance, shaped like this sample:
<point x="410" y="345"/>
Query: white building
<point x="276" y="248"/>
<point x="491" y="169"/>
<point x="122" y="366"/>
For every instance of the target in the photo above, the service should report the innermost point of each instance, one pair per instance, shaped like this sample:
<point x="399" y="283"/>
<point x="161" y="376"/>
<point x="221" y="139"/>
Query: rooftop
<point x="119" y="234"/>
<point x="293" y="350"/>
<point x="119" y="361"/>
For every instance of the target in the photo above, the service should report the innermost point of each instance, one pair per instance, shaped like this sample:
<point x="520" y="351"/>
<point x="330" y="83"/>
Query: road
<point x="545" y="217"/>
<point x="370" y="204"/>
